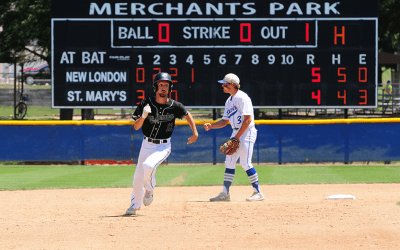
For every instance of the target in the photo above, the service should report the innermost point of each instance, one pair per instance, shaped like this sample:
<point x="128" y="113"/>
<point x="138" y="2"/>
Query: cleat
<point x="256" y="197"/>
<point x="148" y="198"/>
<point x="131" y="211"/>
<point x="221" y="197"/>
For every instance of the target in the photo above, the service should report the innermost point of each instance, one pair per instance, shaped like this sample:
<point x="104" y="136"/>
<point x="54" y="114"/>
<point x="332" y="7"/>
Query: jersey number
<point x="170" y="128"/>
<point x="239" y="119"/>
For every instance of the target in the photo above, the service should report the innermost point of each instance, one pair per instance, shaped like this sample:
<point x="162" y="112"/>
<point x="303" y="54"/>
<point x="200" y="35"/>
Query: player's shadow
<point x="122" y="215"/>
<point x="198" y="201"/>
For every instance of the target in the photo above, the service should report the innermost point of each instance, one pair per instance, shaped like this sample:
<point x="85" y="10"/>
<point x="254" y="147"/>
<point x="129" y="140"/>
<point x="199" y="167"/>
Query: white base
<point x="340" y="196"/>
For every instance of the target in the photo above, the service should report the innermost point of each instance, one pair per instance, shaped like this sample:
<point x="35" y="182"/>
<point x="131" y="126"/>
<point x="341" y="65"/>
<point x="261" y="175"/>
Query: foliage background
<point x="25" y="23"/>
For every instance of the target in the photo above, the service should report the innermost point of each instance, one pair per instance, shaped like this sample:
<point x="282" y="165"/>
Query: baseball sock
<point x="228" y="179"/>
<point x="253" y="177"/>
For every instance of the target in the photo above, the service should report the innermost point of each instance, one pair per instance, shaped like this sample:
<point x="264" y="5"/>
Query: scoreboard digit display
<point x="287" y="54"/>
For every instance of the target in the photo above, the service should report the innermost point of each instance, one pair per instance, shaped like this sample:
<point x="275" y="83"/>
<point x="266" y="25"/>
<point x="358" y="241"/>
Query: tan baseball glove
<point x="230" y="146"/>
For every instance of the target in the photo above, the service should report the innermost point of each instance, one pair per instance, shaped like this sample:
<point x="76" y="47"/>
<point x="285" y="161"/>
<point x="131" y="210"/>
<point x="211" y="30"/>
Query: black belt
<point x="155" y="141"/>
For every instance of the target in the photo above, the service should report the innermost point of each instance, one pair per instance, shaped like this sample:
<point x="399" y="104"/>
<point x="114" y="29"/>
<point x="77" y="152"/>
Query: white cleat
<point x="222" y="197"/>
<point x="256" y="197"/>
<point x="131" y="211"/>
<point x="148" y="198"/>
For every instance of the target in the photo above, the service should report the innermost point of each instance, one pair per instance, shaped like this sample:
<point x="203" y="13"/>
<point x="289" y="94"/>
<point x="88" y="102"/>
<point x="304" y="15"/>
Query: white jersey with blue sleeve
<point x="236" y="107"/>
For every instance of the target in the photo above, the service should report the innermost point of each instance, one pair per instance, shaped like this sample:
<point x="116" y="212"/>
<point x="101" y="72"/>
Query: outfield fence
<point x="278" y="141"/>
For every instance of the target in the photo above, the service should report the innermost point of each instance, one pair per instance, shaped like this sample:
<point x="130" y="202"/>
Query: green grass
<point x="26" y="86"/>
<point x="32" y="112"/>
<point x="41" y="112"/>
<point x="6" y="110"/>
<point x="19" y="177"/>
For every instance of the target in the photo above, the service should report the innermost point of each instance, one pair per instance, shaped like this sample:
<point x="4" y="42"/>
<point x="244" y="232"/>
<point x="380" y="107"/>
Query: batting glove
<point x="146" y="111"/>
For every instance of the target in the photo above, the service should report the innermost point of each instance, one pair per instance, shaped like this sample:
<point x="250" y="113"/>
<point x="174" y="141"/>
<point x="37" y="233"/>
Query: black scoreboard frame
<point x="93" y="67"/>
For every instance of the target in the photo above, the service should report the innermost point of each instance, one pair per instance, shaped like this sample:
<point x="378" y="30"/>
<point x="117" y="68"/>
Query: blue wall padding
<point x="65" y="143"/>
<point x="275" y="143"/>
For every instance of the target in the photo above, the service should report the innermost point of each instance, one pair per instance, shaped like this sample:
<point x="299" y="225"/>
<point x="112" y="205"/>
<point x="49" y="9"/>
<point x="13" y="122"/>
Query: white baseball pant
<point x="150" y="157"/>
<point x="245" y="150"/>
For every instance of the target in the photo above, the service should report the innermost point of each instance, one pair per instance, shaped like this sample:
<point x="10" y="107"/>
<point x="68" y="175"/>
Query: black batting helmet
<point x="162" y="76"/>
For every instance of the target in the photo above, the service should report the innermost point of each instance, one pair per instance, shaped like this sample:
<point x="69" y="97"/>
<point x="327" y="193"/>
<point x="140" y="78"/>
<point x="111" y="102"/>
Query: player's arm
<point x="215" y="125"/>
<point x="245" y="125"/>
<point x="139" y="119"/>
<point x="192" y="125"/>
<point x="139" y="123"/>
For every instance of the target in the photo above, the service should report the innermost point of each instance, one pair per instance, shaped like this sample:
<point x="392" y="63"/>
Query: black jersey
<point x="160" y="123"/>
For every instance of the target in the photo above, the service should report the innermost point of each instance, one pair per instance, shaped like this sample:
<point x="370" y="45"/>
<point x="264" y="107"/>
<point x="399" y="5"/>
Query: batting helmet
<point x="162" y="76"/>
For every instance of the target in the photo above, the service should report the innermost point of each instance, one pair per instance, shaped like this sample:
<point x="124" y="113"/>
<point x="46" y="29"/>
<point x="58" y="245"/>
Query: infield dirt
<point x="291" y="217"/>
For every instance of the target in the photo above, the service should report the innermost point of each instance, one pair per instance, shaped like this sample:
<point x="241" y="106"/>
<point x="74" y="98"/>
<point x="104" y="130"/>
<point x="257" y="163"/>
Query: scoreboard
<point x="287" y="54"/>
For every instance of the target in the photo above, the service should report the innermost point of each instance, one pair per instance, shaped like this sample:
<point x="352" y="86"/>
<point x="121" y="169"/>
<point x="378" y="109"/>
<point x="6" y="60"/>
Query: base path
<point x="292" y="217"/>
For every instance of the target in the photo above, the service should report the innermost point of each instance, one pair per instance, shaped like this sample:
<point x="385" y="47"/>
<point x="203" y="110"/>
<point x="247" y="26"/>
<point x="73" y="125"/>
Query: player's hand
<point x="207" y="126"/>
<point x="193" y="138"/>
<point x="146" y="111"/>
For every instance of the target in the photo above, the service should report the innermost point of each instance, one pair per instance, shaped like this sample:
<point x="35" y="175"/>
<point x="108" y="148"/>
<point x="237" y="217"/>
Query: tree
<point x="389" y="25"/>
<point x="26" y="30"/>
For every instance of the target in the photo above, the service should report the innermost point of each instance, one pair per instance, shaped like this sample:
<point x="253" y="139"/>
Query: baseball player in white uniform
<point x="156" y="116"/>
<point x="239" y="113"/>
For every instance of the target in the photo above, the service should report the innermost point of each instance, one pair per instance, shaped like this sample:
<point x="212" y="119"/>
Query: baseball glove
<point x="230" y="146"/>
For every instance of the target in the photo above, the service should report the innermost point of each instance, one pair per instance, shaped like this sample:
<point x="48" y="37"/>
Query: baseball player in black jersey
<point x="156" y="116"/>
